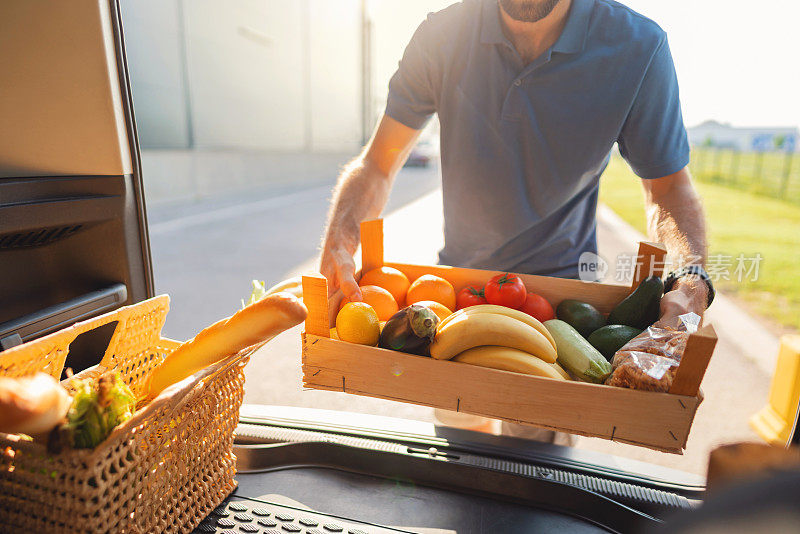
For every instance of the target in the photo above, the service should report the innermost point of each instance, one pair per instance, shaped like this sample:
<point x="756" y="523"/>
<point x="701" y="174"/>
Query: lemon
<point x="358" y="323"/>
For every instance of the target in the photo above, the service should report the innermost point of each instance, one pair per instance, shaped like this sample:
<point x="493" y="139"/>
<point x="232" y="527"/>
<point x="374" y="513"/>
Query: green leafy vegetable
<point x="97" y="410"/>
<point x="259" y="292"/>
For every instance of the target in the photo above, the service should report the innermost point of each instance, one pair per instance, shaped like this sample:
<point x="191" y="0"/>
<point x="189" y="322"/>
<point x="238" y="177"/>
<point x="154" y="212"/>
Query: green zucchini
<point x="576" y="354"/>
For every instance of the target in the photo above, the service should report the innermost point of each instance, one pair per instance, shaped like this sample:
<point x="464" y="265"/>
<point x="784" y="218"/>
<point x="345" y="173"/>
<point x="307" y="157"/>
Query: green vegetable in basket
<point x="259" y="292"/>
<point x="290" y="285"/>
<point x="97" y="408"/>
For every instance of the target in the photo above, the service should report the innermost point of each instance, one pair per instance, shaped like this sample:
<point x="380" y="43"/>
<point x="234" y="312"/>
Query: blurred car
<point x="422" y="154"/>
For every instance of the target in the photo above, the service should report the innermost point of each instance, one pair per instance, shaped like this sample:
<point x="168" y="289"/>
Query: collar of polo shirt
<point x="570" y="41"/>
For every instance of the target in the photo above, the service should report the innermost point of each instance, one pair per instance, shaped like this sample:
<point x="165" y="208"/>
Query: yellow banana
<point x="503" y="310"/>
<point x="472" y="330"/>
<point x="508" y="359"/>
<point x="560" y="370"/>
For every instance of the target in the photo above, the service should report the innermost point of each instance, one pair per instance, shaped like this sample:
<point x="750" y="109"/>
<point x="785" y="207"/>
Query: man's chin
<point x="528" y="10"/>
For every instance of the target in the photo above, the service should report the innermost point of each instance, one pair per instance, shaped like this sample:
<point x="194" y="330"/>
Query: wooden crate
<point x="658" y="421"/>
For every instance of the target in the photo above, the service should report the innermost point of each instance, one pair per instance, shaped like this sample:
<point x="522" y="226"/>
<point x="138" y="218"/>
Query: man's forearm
<point x="361" y="193"/>
<point x="675" y="217"/>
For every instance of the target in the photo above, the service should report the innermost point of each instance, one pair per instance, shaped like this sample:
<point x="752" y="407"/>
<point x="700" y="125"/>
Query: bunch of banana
<point x="497" y="337"/>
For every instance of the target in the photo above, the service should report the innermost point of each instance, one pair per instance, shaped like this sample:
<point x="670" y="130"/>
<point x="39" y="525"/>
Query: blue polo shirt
<point x="523" y="146"/>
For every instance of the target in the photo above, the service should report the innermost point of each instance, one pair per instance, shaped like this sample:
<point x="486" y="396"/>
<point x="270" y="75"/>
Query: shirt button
<point x="517" y="82"/>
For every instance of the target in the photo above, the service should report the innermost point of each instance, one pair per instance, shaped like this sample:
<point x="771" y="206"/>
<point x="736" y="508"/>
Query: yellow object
<point x="380" y="299"/>
<point x="441" y="311"/>
<point x="560" y="370"/>
<point x="335" y="334"/>
<point x="508" y="359"/>
<point x="469" y="331"/>
<point x="774" y="422"/>
<point x="358" y="323"/>
<point x="508" y="312"/>
<point x="432" y="287"/>
<point x="390" y="279"/>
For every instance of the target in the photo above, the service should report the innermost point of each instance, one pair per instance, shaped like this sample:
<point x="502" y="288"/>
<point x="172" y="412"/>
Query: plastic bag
<point x="649" y="360"/>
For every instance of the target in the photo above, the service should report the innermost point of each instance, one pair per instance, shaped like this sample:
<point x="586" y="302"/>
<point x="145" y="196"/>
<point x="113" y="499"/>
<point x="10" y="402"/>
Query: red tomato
<point x="537" y="307"/>
<point x="506" y="290"/>
<point x="470" y="296"/>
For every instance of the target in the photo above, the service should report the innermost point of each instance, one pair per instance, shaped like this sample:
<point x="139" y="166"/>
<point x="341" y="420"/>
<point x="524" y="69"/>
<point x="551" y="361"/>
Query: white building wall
<point x="246" y="73"/>
<point x="153" y="47"/>
<point x="335" y="100"/>
<point x="263" y="75"/>
<point x="746" y="139"/>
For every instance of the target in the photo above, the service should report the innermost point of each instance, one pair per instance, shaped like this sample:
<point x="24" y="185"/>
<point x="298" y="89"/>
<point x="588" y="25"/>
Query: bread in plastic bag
<point x="649" y="361"/>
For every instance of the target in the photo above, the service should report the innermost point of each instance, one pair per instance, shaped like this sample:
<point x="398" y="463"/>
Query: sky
<point x="737" y="61"/>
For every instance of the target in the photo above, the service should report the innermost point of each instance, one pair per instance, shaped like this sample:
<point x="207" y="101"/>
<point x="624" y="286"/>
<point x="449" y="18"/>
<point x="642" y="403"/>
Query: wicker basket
<point x="163" y="470"/>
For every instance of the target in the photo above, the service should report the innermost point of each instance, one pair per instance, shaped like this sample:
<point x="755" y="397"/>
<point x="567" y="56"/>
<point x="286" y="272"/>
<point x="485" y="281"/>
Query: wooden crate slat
<point x="315" y="297"/>
<point x="694" y="362"/>
<point x="371" y="245"/>
<point x="656" y="420"/>
<point x="649" y="262"/>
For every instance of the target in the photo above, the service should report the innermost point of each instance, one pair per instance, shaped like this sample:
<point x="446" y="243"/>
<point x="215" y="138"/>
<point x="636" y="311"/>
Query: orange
<point x="358" y="323"/>
<point x="432" y="287"/>
<point x="390" y="279"/>
<point x="381" y="301"/>
<point x="438" y="308"/>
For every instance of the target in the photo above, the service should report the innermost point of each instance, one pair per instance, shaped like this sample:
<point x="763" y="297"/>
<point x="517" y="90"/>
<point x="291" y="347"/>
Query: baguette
<point x="258" y="322"/>
<point x="32" y="405"/>
<point x="291" y="285"/>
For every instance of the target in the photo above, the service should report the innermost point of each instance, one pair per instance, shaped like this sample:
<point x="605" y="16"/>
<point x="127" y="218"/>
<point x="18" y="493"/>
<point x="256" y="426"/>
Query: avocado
<point x="609" y="339"/>
<point x="641" y="308"/>
<point x="581" y="316"/>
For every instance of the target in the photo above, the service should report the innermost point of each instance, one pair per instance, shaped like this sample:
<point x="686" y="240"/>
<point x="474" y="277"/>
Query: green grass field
<point x="771" y="174"/>
<point x="739" y="222"/>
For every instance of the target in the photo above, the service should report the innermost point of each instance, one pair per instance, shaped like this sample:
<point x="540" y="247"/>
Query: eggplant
<point x="410" y="330"/>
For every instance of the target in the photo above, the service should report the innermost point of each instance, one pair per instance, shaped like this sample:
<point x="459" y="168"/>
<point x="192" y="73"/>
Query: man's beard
<point x="528" y="10"/>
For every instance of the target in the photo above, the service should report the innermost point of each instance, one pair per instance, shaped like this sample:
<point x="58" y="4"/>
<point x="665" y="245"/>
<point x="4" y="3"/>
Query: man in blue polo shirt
<point x="531" y="96"/>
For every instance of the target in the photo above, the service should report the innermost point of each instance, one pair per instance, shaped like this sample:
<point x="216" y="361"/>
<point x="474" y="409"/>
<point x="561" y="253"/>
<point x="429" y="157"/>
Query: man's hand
<point x="689" y="294"/>
<point x="337" y="265"/>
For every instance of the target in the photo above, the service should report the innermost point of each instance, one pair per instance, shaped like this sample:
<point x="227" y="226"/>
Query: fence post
<point x="787" y="169"/>
<point x="735" y="166"/>
<point x="759" y="166"/>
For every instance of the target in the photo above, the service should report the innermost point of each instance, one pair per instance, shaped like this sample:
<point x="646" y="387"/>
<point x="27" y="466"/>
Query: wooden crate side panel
<point x="315" y="297"/>
<point x="694" y="362"/>
<point x="649" y="262"/>
<point x="603" y="296"/>
<point x="371" y="244"/>
<point x="656" y="420"/>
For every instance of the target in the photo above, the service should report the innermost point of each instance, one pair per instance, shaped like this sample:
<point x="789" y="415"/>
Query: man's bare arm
<point x="360" y="194"/>
<point x="675" y="217"/>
